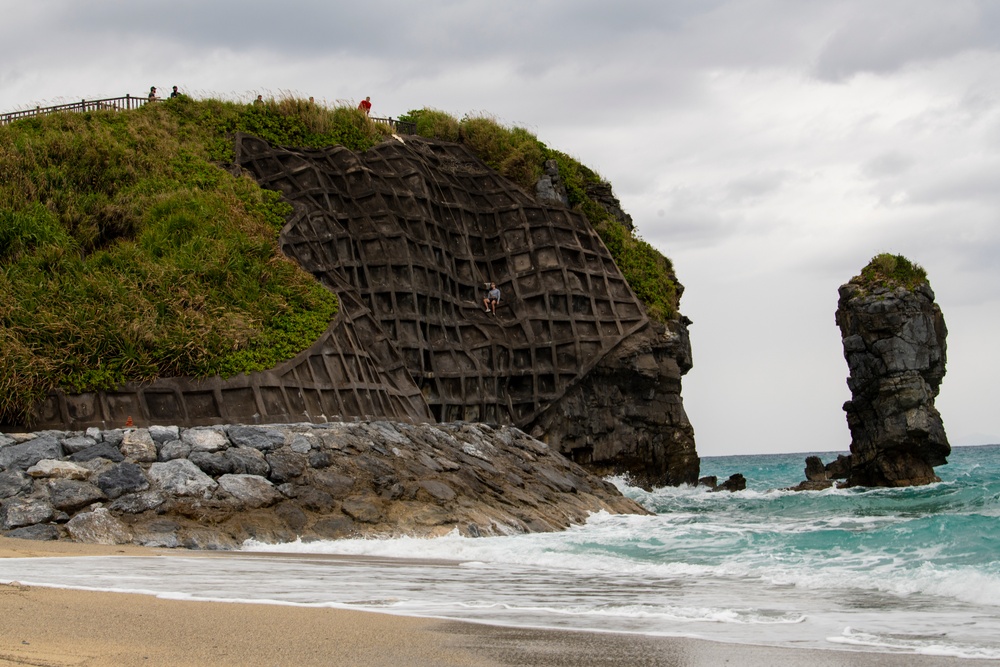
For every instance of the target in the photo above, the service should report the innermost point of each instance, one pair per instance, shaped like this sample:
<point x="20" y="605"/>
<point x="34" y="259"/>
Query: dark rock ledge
<point x="214" y="487"/>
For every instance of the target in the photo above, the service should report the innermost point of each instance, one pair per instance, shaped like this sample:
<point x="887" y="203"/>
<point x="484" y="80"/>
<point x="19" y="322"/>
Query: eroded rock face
<point x="894" y="343"/>
<point x="626" y="416"/>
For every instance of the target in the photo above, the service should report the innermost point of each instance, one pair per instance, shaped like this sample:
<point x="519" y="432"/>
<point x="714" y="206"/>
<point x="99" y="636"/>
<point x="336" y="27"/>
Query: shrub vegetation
<point x="520" y="156"/>
<point x="887" y="270"/>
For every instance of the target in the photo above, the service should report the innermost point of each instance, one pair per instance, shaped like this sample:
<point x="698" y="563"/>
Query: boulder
<point x="263" y="438"/>
<point x="76" y="443"/>
<point x="182" y="478"/>
<point x="102" y="450"/>
<point x="98" y="527"/>
<point x="17" y="512"/>
<point x="138" y="446"/>
<point x="205" y="439"/>
<point x="332" y="482"/>
<point x="286" y="464"/>
<point x="121" y="479"/>
<point x="252" y="491"/>
<point x="173" y="449"/>
<point x="14" y="482"/>
<point x="58" y="468"/>
<point x="164" y="434"/>
<point x="24" y="455"/>
<point x="212" y="463"/>
<point x="247" y="461"/>
<point x="361" y="510"/>
<point x="70" y="495"/>
<point x="39" y="531"/>
<point x="735" y="482"/>
<point x="815" y="470"/>
<point x="137" y="503"/>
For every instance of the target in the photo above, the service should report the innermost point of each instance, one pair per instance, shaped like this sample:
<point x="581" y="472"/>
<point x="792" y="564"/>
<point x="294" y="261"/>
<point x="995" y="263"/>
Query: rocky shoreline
<point x="214" y="487"/>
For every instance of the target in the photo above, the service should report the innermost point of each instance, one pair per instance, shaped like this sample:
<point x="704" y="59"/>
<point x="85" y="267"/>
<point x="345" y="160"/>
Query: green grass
<point x="520" y="156"/>
<point x="890" y="271"/>
<point x="127" y="254"/>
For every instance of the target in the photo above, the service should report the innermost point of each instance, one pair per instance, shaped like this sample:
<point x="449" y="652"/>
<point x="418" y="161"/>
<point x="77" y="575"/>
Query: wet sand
<point x="56" y="628"/>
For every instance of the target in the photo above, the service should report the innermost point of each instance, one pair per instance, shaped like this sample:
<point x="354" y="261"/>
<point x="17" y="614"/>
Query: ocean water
<point x="895" y="570"/>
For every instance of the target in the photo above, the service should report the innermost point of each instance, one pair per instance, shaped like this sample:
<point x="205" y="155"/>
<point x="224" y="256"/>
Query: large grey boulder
<point x="14" y="482"/>
<point x="137" y="503"/>
<point x="17" y="512"/>
<point x="286" y="464"/>
<point x="76" y="443"/>
<point x="252" y="491"/>
<point x="121" y="479"/>
<point x="247" y="461"/>
<point x="98" y="527"/>
<point x="258" y="437"/>
<point x="138" y="445"/>
<point x="205" y="439"/>
<point x="182" y="478"/>
<point x="24" y="455"/>
<point x="70" y="495"/>
<point x="211" y="463"/>
<point x="162" y="434"/>
<point x="102" y="450"/>
<point x="38" y="531"/>
<point x="174" y="449"/>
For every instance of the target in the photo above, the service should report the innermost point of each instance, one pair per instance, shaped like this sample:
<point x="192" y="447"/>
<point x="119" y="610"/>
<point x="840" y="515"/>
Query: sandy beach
<point x="56" y="627"/>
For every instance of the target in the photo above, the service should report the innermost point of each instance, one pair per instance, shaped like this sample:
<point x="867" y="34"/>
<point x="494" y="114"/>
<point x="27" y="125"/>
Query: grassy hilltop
<point x="127" y="253"/>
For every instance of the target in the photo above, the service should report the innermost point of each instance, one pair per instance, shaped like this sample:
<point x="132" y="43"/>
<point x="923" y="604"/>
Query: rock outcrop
<point x="894" y="342"/>
<point x="406" y="234"/>
<point x="626" y="415"/>
<point x="215" y="487"/>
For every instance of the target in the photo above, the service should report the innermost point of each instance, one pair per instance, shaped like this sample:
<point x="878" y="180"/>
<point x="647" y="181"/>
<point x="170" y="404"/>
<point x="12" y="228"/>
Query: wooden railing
<point x="108" y="104"/>
<point x="398" y="126"/>
<point x="129" y="102"/>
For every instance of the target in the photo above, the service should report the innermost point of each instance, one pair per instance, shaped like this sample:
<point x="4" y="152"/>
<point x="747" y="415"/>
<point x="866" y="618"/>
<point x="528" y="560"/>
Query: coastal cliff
<point x="894" y="338"/>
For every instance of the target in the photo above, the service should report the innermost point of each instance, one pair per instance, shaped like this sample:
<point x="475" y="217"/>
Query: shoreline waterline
<point x="882" y="572"/>
<point x="79" y="624"/>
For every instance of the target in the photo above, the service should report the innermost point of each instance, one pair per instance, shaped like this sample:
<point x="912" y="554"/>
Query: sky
<point x="770" y="148"/>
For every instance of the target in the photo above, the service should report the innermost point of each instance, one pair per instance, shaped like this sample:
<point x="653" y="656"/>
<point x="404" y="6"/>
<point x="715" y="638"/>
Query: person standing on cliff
<point x="366" y="105"/>
<point x="492" y="298"/>
<point x="152" y="94"/>
<point x="175" y="93"/>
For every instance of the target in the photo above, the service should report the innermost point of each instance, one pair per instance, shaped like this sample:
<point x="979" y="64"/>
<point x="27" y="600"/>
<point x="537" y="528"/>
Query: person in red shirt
<point x="366" y="105"/>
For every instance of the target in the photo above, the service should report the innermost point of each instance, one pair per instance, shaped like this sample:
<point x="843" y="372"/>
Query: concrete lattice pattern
<point x="407" y="234"/>
<point x="415" y="228"/>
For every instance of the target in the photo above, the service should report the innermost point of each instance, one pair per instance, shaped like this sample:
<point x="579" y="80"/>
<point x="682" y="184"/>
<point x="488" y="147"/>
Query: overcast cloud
<point x="769" y="147"/>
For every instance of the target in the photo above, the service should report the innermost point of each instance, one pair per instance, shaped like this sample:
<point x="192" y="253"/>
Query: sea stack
<point x="894" y="342"/>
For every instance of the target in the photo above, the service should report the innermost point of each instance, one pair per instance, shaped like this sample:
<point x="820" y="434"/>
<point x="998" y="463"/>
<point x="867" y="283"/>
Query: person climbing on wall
<point x="366" y="105"/>
<point x="492" y="298"/>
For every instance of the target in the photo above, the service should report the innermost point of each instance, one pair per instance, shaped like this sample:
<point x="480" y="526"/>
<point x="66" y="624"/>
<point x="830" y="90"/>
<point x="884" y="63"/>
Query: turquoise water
<point x="899" y="570"/>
